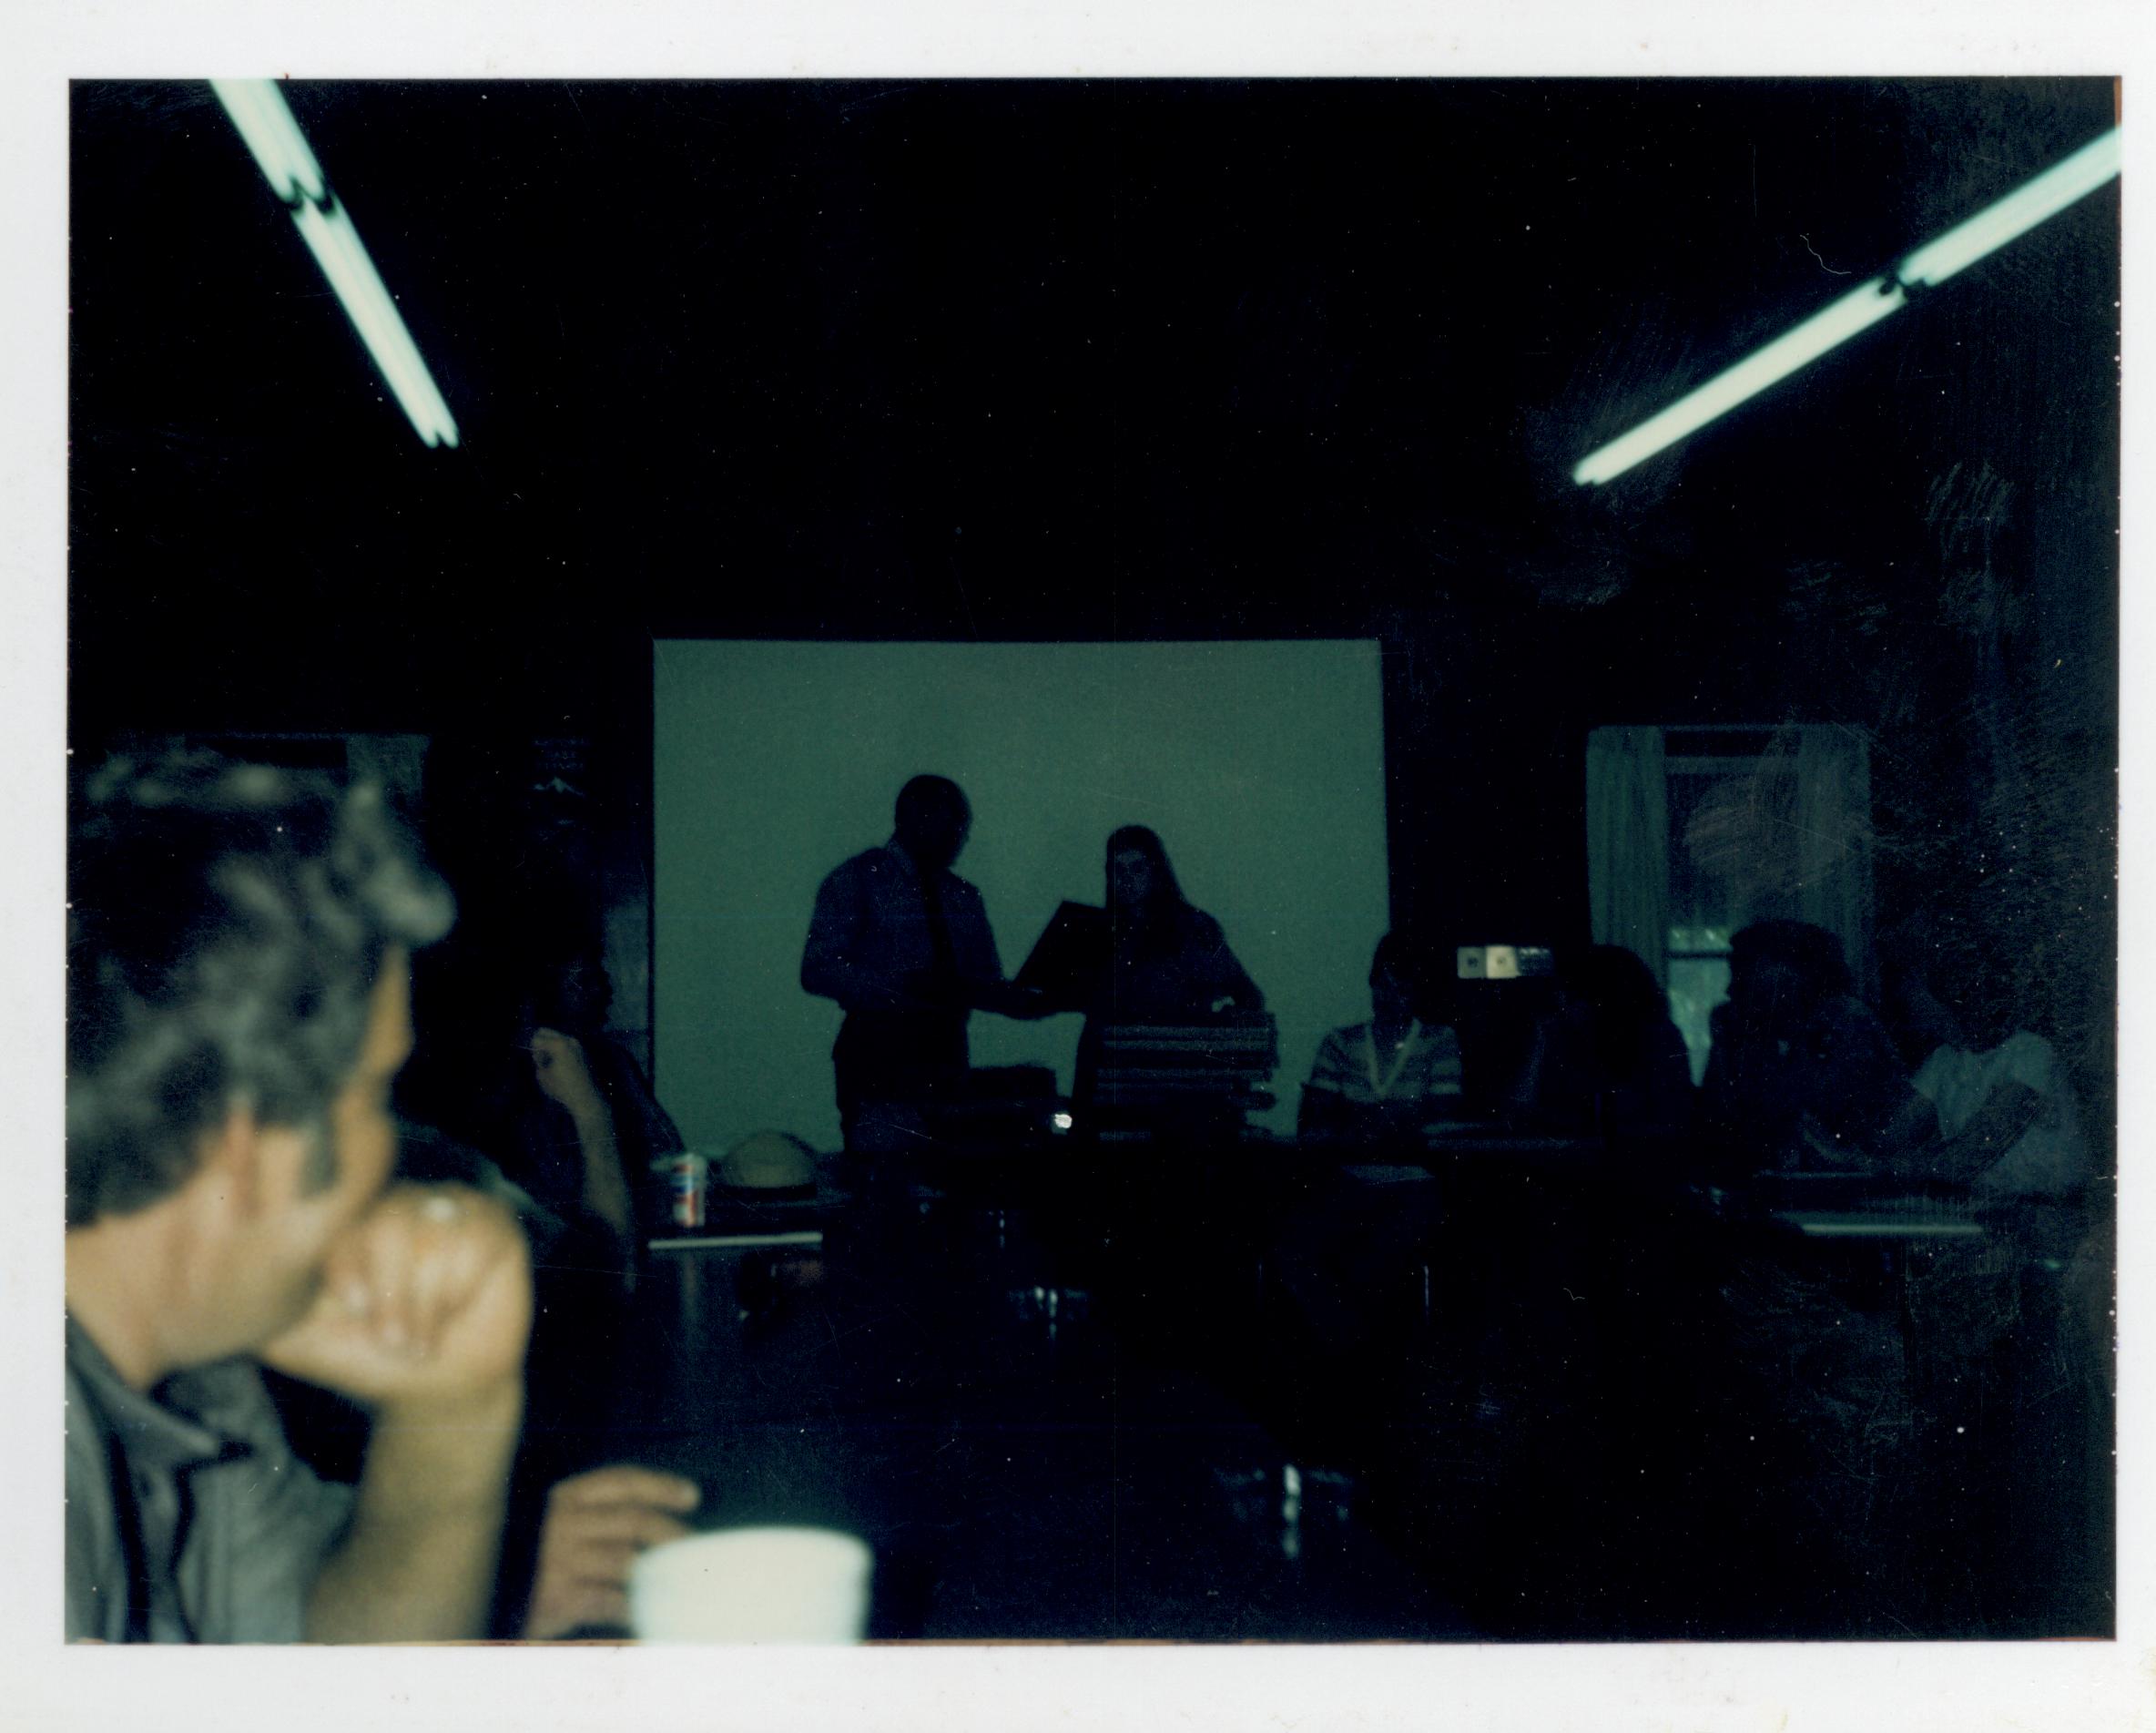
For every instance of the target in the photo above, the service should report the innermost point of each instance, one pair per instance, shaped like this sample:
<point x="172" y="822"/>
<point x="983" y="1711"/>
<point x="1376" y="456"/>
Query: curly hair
<point x="227" y="925"/>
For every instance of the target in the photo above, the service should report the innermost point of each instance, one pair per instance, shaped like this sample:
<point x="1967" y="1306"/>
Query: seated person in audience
<point x="238" y="950"/>
<point x="1607" y="1062"/>
<point x="1391" y="1079"/>
<point x="515" y="1062"/>
<point x="2008" y="1121"/>
<point x="585" y="1127"/>
<point x="1168" y="962"/>
<point x="520" y="1063"/>
<point x="1803" y="1076"/>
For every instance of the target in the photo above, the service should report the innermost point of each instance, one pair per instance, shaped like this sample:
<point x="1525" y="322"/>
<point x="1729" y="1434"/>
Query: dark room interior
<point x="1198" y="361"/>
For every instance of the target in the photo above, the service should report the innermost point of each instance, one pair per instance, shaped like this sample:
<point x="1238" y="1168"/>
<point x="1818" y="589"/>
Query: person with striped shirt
<point x="1389" y="1079"/>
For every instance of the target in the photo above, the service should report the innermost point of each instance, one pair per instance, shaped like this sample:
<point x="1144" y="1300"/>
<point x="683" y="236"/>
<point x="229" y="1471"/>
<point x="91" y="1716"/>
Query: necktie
<point x="945" y="960"/>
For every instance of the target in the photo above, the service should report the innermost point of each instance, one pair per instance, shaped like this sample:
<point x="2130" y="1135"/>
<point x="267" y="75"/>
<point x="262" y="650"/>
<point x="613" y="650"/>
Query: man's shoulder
<point x="869" y="864"/>
<point x="85" y="1425"/>
<point x="96" y="1559"/>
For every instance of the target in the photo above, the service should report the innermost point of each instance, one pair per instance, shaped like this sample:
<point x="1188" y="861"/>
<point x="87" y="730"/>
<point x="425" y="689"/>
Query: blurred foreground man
<point x="237" y="1005"/>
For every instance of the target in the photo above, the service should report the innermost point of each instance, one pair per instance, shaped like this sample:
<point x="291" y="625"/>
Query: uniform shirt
<point x="870" y="931"/>
<point x="189" y="1518"/>
<point x="873" y="932"/>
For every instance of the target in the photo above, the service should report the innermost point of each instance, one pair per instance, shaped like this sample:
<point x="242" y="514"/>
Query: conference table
<point x="964" y="1377"/>
<point x="1500" y="1387"/>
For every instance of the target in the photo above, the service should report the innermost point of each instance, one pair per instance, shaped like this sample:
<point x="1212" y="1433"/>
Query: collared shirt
<point x="1423" y="1068"/>
<point x="871" y="930"/>
<point x="874" y="933"/>
<point x="189" y="1518"/>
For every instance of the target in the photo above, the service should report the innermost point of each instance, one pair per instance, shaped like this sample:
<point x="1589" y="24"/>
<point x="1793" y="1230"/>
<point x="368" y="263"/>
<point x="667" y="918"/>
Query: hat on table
<point x="768" y="1161"/>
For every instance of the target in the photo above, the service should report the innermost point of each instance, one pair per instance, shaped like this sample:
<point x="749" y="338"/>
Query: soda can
<point x="687" y="1175"/>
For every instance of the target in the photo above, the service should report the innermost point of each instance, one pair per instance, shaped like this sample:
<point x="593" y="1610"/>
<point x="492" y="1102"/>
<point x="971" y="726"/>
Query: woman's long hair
<point x="1628" y="1005"/>
<point x="1164" y="900"/>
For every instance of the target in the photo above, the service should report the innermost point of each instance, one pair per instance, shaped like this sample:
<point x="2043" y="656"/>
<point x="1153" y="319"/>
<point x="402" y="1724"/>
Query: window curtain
<point x="1833" y="877"/>
<point x="1628" y="843"/>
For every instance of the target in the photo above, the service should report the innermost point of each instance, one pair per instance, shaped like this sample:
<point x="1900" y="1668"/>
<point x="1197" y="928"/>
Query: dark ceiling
<point x="1079" y="359"/>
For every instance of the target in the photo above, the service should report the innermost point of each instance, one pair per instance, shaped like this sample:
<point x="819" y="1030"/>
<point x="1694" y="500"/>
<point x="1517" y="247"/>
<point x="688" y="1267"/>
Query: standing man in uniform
<point x="903" y="944"/>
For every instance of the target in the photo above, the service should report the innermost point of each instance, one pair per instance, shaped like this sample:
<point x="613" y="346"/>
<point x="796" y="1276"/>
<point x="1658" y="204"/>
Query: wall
<point x="1260" y="764"/>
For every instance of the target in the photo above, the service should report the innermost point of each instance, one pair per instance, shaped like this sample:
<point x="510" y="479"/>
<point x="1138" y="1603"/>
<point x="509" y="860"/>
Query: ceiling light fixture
<point x="259" y="110"/>
<point x="2092" y="165"/>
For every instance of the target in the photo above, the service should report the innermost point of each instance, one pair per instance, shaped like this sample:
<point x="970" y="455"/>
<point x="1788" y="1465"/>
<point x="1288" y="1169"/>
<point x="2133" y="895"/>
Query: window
<point x="1697" y="832"/>
<point x="1729" y="858"/>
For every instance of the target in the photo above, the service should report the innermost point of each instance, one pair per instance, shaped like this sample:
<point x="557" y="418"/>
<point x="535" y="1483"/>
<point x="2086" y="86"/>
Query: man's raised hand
<point x="427" y="1298"/>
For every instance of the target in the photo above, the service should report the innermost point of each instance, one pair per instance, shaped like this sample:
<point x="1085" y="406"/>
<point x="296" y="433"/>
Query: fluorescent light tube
<point x="336" y="245"/>
<point x="2019" y="211"/>
<point x="2050" y="193"/>
<point x="280" y="150"/>
<point x="265" y="121"/>
<point x="1857" y="311"/>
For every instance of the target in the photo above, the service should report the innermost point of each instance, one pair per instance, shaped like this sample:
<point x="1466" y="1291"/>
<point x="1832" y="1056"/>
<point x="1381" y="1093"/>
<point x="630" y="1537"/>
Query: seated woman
<point x="1168" y="965"/>
<point x="1389" y="1080"/>
<point x="1607" y="1062"/>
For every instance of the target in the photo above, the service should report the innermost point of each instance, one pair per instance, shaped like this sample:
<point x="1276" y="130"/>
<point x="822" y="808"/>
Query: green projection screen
<point x="1260" y="764"/>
